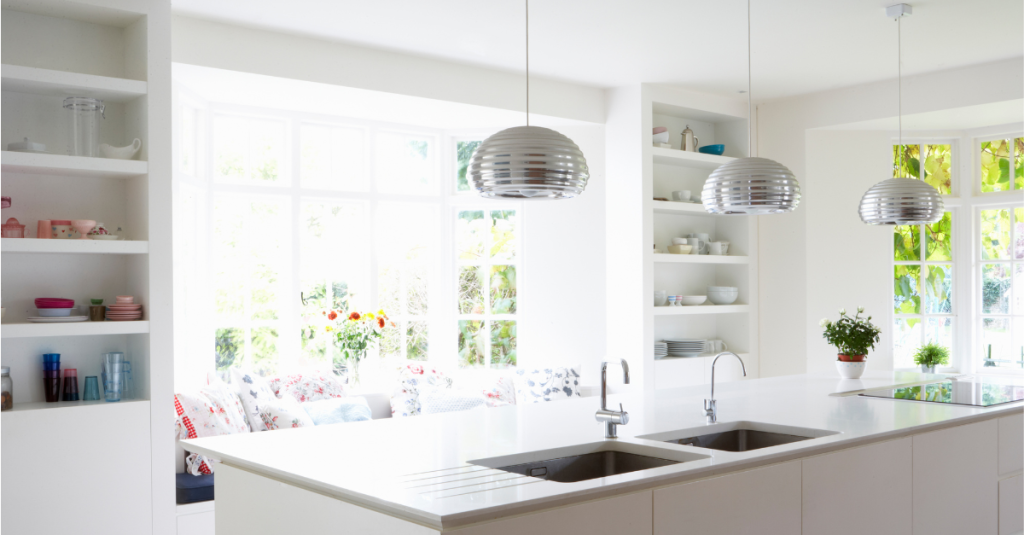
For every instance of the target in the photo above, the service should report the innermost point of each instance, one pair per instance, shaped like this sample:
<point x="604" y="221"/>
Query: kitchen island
<point x="868" y="465"/>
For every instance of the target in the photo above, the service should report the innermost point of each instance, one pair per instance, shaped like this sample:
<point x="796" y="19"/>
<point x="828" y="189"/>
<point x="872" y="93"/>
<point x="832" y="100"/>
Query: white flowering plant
<point x="851" y="335"/>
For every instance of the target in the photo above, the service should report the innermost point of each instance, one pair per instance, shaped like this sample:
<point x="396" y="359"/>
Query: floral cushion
<point x="547" y="384"/>
<point x="211" y="411"/>
<point x="502" y="392"/>
<point x="263" y="408"/>
<point x="412" y="380"/>
<point x="308" y="386"/>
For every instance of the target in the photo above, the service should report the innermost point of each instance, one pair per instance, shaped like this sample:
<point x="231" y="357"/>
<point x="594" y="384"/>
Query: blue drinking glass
<point x="92" y="389"/>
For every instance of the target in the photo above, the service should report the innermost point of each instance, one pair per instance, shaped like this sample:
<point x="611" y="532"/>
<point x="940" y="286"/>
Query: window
<point x="1001" y="258"/>
<point x="922" y="288"/>
<point x="996" y="172"/>
<point x="487" y="242"/>
<point x="937" y="169"/>
<point x="305" y="214"/>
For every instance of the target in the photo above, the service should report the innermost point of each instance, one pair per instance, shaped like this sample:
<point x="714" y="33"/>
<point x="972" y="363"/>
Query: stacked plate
<point x="660" y="350"/>
<point x="55" y="310"/>
<point x="124" y="310"/>
<point x="682" y="347"/>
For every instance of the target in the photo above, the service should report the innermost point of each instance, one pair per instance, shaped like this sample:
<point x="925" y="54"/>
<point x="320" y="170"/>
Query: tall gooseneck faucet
<point x="611" y="419"/>
<point x="710" y="408"/>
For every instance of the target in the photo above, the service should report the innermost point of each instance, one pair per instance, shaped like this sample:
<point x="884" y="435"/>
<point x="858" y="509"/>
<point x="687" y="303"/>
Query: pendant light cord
<point x="899" y="84"/>
<point x="527" y="62"/>
<point x="750" y="116"/>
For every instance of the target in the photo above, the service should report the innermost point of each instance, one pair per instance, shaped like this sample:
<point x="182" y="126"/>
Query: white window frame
<point x="441" y="317"/>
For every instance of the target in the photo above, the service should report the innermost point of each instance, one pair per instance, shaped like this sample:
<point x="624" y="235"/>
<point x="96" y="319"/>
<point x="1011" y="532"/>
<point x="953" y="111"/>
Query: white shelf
<point x="82" y="328"/>
<point x="75" y="166"/>
<point x="668" y="360"/>
<point x="69" y="84"/>
<point x="701" y="309"/>
<point x="32" y="245"/>
<point x="683" y="158"/>
<point x="679" y="208"/>
<point x="42" y="405"/>
<point x="700" y="259"/>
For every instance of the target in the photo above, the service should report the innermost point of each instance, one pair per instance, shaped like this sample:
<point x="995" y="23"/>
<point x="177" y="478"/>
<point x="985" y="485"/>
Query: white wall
<point x="794" y="281"/>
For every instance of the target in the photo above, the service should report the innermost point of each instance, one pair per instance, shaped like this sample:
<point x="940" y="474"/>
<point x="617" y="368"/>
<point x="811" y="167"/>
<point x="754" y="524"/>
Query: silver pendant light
<point x="901" y="201"/>
<point x="751" y="186"/>
<point x="528" y="162"/>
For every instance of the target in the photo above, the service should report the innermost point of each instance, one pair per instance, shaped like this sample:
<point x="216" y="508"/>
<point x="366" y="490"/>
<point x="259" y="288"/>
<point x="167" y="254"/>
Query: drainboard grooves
<point x="530" y="481"/>
<point x="473" y="467"/>
<point x="457" y="479"/>
<point x="476" y="484"/>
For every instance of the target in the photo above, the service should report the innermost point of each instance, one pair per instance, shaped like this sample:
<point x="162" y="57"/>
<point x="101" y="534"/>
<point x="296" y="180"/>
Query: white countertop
<point x="392" y="465"/>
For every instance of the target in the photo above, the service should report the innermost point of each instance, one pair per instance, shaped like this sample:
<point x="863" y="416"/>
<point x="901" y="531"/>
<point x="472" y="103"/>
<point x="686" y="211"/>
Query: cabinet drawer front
<point x="1011" y="444"/>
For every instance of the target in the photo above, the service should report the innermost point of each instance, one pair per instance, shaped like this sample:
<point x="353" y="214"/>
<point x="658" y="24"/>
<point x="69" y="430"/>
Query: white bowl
<point x="691" y="300"/>
<point x="661" y="138"/>
<point x="723" y="289"/>
<point x="680" y="249"/>
<point x="723" y="297"/>
<point x="679" y="241"/>
<point x="53" y="312"/>
<point x="660" y="298"/>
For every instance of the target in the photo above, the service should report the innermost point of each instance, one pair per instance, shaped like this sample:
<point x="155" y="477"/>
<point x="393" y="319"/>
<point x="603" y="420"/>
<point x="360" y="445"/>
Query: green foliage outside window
<point x="935" y="160"/>
<point x="463" y="154"/>
<point x="995" y="165"/>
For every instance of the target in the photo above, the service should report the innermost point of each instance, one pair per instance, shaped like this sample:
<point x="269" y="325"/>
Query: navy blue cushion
<point x="192" y="489"/>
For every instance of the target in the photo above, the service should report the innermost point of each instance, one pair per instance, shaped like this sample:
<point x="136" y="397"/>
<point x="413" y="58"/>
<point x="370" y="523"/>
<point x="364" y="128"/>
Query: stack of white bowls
<point x="723" y="295"/>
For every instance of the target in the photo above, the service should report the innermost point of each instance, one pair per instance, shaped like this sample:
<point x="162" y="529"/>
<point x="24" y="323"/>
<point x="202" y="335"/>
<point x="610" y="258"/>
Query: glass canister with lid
<point x="84" y="115"/>
<point x="6" y="389"/>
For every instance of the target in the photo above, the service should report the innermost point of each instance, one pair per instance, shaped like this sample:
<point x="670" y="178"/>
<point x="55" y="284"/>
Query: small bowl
<point x="83" y="226"/>
<point x="679" y="241"/>
<point x="661" y="138"/>
<point x="53" y="312"/>
<point x="723" y="295"/>
<point x="712" y="149"/>
<point x="125" y="300"/>
<point x="680" y="249"/>
<point x="692" y="300"/>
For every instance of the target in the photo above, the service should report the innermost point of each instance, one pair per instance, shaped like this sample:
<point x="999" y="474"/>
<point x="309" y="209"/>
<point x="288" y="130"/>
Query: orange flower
<point x="380" y="322"/>
<point x="354" y="316"/>
<point x="393" y="324"/>
<point x="332" y="316"/>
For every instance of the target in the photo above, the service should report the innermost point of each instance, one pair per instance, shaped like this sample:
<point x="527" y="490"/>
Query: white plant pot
<point x="850" y="370"/>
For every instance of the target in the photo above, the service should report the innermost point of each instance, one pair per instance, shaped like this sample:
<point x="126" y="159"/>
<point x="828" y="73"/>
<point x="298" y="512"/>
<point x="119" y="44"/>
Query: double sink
<point x="610" y="457"/>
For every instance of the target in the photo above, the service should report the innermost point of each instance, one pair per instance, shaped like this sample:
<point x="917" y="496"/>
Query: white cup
<point x="716" y="346"/>
<point x="715" y="248"/>
<point x="697" y="245"/>
<point x="660" y="298"/>
<point x="725" y="247"/>
<point x="681" y="195"/>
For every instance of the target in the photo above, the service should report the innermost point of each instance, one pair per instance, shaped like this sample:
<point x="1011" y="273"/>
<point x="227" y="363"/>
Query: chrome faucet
<point x="710" y="408"/>
<point x="611" y="419"/>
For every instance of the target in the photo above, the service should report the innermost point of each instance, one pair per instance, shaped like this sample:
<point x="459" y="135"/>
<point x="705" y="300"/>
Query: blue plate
<point x="712" y="149"/>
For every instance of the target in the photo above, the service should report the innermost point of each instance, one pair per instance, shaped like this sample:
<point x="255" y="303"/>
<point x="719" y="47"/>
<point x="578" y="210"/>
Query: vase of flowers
<point x="355" y="333"/>
<point x="931" y="355"/>
<point x="853" y="337"/>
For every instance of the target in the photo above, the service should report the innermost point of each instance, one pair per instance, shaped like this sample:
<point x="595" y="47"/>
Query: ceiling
<point x="799" y="46"/>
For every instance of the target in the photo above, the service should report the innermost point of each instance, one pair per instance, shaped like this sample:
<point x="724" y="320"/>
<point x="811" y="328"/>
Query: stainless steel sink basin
<point x="587" y="466"/>
<point x="590" y="461"/>
<point x="739" y="436"/>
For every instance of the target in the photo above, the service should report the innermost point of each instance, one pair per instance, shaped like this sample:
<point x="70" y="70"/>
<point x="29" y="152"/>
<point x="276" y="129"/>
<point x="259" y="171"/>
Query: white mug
<point x="715" y="248"/>
<point x="681" y="195"/>
<point x="697" y="245"/>
<point x="725" y="247"/>
<point x="703" y="237"/>
<point x="716" y="346"/>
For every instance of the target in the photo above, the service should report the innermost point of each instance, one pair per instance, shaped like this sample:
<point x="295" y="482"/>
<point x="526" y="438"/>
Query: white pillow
<point x="435" y="400"/>
<point x="265" y="410"/>
<point x="547" y="384"/>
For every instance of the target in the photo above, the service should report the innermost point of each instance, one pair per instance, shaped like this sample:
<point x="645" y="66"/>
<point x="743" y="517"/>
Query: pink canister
<point x="43" y="231"/>
<point x="61" y="229"/>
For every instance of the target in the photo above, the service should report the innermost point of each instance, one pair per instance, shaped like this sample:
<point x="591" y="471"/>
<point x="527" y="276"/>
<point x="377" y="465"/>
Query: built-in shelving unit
<point x="640" y="225"/>
<point x="29" y="245"/>
<point x="70" y="166"/>
<point x="120" y="53"/>
<point x="81" y="328"/>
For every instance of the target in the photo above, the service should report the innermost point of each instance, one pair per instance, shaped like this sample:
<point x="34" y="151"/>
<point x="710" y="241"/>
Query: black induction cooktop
<point x="969" y="390"/>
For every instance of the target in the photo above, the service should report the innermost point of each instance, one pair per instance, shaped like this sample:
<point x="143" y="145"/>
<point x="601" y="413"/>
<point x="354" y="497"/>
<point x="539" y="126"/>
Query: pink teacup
<point x="83" y="226"/>
<point x="125" y="299"/>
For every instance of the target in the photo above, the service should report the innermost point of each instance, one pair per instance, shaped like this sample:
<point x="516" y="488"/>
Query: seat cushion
<point x="334" y="411"/>
<point x="263" y="408"/>
<point x="192" y="489"/>
<point x="308" y="386"/>
<point x="211" y="411"/>
<point x="547" y="384"/>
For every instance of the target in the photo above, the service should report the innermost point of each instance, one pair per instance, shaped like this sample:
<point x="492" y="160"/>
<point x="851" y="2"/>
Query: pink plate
<point x="124" y="307"/>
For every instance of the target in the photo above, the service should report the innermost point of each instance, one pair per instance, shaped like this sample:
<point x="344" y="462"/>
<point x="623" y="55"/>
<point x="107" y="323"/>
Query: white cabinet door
<point x="1011" y="505"/>
<point x="955" y="485"/>
<point x="69" y="466"/>
<point x="755" y="502"/>
<point x="859" y="490"/>
<point x="1011" y="444"/>
<point x="621" y="515"/>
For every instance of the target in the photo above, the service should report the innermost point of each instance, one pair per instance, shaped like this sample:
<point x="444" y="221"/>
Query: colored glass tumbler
<point x="51" y="357"/>
<point x="92" y="388"/>
<point x="51" y="388"/>
<point x="70" y="385"/>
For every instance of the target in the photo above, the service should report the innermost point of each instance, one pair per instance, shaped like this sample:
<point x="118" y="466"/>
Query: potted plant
<point x="931" y="355"/>
<point x="853" y="337"/>
<point x="355" y="333"/>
